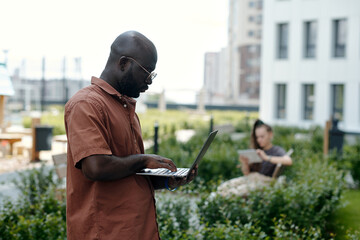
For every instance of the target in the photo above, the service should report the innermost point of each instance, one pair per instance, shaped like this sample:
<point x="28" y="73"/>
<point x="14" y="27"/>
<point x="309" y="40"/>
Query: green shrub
<point x="37" y="214"/>
<point x="349" y="160"/>
<point x="174" y="216"/>
<point x="229" y="231"/>
<point x="286" y="229"/>
<point x="307" y="200"/>
<point x="36" y="182"/>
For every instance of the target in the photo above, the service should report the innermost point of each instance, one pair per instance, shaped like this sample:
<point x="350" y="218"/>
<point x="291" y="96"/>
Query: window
<point x="280" y="101"/>
<point x="337" y="101"/>
<point x="308" y="93"/>
<point x="258" y="33"/>
<point x="252" y="77"/>
<point x="339" y="38"/>
<point x="253" y="62"/>
<point x="282" y="34"/>
<point x="250" y="33"/>
<point x="253" y="49"/>
<point x="310" y="39"/>
<point x="251" y="4"/>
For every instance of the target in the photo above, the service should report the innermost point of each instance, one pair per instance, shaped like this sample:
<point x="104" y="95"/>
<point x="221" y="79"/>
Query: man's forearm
<point x="110" y="167"/>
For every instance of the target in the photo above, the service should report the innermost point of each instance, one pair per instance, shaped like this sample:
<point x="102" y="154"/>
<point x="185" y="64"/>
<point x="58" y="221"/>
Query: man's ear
<point x="122" y="63"/>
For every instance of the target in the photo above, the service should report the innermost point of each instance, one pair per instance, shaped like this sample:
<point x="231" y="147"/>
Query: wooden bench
<point x="60" y="161"/>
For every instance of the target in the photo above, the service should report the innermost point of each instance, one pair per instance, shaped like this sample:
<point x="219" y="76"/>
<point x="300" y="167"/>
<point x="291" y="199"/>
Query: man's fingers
<point x="167" y="163"/>
<point x="156" y="161"/>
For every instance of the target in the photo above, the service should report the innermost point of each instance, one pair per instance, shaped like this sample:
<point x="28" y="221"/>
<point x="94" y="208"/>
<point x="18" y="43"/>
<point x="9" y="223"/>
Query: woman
<point x="261" y="140"/>
<point x="257" y="175"/>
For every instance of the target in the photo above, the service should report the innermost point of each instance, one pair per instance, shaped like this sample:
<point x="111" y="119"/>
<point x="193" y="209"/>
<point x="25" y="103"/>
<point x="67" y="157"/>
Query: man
<point x="105" y="198"/>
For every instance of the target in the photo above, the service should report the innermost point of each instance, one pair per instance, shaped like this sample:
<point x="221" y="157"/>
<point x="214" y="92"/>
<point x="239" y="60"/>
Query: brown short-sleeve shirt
<point x="99" y="120"/>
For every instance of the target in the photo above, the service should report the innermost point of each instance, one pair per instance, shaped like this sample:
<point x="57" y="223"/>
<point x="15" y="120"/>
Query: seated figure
<point x="258" y="174"/>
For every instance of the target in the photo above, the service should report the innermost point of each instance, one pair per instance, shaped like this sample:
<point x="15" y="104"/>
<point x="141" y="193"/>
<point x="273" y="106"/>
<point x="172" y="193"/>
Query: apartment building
<point x="311" y="62"/>
<point x="232" y="76"/>
<point x="245" y="33"/>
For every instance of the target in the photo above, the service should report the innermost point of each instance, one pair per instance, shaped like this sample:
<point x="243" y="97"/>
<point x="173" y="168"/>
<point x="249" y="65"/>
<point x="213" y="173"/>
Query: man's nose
<point x="148" y="81"/>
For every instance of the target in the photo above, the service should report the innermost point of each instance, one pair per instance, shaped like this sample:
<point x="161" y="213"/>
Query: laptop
<point x="181" y="172"/>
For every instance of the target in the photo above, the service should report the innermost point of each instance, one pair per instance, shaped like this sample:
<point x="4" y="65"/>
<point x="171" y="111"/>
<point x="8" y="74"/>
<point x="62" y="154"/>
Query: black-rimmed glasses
<point x="151" y="76"/>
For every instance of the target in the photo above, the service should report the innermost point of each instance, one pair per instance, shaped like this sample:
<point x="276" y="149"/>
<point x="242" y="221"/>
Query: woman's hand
<point x="262" y="155"/>
<point x="244" y="160"/>
<point x="244" y="165"/>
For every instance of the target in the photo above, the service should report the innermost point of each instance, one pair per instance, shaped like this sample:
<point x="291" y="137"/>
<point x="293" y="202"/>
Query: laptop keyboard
<point x="179" y="172"/>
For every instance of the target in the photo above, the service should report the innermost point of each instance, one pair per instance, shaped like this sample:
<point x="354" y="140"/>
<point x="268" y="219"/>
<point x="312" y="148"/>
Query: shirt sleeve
<point x="279" y="151"/>
<point x="86" y="130"/>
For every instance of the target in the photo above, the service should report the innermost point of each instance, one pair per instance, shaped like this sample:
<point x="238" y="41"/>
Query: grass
<point x="172" y="120"/>
<point x="347" y="217"/>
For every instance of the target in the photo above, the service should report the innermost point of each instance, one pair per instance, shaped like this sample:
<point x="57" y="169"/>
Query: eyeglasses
<point x="151" y="76"/>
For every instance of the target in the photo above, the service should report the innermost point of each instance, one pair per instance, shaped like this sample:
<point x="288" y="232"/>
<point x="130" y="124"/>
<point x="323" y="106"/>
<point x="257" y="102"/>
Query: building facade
<point x="245" y="31"/>
<point x="232" y="76"/>
<point x="311" y="63"/>
<point x="215" y="84"/>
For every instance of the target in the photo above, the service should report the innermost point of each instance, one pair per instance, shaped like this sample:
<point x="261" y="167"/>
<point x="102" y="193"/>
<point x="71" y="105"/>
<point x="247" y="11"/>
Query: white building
<point x="311" y="62"/>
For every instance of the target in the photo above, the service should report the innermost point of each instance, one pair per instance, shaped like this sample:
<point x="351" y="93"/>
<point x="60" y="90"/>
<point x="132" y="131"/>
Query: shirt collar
<point x="110" y="90"/>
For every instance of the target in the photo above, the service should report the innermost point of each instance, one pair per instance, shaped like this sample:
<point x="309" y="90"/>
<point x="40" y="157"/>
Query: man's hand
<point x="156" y="161"/>
<point x="175" y="182"/>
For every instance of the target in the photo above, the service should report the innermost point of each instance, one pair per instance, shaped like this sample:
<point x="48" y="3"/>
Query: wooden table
<point x="11" y="139"/>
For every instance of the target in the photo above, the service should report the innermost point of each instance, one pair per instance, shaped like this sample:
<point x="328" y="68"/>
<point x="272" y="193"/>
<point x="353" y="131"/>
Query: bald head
<point x="132" y="44"/>
<point x="132" y="58"/>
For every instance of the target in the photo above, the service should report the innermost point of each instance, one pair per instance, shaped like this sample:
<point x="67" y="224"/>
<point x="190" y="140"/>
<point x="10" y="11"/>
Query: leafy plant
<point x="37" y="214"/>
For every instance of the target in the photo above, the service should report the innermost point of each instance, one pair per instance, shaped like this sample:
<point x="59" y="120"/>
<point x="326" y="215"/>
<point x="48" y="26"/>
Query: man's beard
<point x="128" y="86"/>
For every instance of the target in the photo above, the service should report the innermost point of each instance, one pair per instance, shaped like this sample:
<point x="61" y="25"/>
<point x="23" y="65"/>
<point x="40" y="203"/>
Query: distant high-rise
<point x="238" y="73"/>
<point x="214" y="86"/>
<point x="245" y="28"/>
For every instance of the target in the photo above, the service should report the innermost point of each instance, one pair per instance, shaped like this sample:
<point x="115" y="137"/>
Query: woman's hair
<point x="258" y="123"/>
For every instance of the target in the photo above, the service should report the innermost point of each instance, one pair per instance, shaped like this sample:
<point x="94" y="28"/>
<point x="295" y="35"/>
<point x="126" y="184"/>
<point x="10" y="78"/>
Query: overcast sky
<point x="182" y="30"/>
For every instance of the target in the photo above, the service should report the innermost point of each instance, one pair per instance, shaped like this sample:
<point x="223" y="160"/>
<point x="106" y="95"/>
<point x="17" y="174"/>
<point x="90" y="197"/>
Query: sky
<point x="182" y="31"/>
